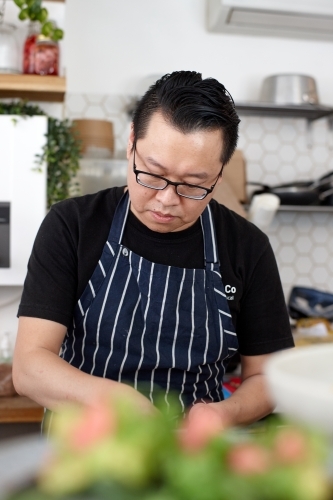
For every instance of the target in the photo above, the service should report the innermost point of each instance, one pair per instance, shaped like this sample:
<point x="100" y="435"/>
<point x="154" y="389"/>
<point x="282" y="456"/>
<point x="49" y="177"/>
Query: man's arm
<point x="40" y="374"/>
<point x="249" y="403"/>
<point x="251" y="400"/>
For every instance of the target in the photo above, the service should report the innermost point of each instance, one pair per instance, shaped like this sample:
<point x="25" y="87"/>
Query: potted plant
<point x="61" y="151"/>
<point x="34" y="10"/>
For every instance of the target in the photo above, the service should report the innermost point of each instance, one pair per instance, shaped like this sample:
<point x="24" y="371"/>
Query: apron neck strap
<point x="208" y="229"/>
<point x="120" y="217"/>
<point x="206" y="219"/>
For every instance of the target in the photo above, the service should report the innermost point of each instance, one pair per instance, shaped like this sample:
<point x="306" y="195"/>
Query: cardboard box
<point x="235" y="175"/>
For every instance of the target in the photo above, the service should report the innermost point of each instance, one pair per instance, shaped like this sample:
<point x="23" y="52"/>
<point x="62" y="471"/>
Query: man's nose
<point x="168" y="196"/>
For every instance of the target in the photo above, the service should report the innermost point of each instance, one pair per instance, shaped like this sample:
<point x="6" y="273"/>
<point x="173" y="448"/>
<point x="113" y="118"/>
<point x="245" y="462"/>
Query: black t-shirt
<point x="72" y="236"/>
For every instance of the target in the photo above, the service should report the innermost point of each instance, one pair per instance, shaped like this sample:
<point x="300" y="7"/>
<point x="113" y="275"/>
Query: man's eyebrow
<point x="200" y="175"/>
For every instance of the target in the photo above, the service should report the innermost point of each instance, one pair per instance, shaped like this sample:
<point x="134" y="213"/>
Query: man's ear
<point x="130" y="142"/>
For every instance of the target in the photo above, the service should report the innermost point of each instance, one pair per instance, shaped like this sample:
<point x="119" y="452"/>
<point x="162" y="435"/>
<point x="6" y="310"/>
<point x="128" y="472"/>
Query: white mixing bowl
<point x="301" y="383"/>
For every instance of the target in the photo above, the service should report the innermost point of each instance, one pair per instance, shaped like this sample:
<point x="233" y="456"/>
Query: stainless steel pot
<point x="289" y="89"/>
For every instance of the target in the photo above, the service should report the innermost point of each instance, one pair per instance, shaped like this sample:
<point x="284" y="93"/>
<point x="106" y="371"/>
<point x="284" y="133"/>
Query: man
<point x="151" y="288"/>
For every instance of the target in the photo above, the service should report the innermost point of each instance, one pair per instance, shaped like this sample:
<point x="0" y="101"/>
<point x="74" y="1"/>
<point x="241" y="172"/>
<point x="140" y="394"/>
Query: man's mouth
<point x="160" y="217"/>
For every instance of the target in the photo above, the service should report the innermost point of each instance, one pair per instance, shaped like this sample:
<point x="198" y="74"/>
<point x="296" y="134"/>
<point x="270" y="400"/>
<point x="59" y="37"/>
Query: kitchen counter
<point x="20" y="409"/>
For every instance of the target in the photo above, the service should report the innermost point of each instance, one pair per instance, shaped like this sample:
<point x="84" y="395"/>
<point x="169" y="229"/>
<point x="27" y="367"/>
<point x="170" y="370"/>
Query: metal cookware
<point x="318" y="192"/>
<point x="300" y="193"/>
<point x="289" y="89"/>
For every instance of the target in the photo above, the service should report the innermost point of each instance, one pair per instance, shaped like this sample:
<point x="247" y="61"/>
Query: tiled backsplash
<point x="276" y="150"/>
<point x="279" y="150"/>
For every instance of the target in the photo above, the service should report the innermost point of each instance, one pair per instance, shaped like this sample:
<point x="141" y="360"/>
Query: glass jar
<point x="46" y="56"/>
<point x="9" y="51"/>
<point x="29" y="49"/>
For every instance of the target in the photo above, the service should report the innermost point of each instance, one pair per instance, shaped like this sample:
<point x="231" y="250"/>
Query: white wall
<point x="111" y="45"/>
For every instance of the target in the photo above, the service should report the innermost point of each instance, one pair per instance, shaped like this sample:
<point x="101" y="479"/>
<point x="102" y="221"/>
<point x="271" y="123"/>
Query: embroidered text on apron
<point x="159" y="328"/>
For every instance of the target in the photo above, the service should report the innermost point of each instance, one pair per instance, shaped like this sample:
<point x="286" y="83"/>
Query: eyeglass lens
<point x="186" y="190"/>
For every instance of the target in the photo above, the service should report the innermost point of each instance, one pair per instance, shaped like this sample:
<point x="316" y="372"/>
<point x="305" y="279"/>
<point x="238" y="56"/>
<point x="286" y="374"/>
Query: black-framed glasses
<point x="159" y="183"/>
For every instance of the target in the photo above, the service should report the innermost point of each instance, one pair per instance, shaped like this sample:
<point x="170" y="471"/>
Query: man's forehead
<point x="162" y="134"/>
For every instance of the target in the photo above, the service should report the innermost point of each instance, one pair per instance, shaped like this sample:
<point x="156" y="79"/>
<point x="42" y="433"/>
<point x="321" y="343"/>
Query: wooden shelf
<point x="19" y="409"/>
<point x="300" y="208"/>
<point x="305" y="208"/>
<point x="33" y="87"/>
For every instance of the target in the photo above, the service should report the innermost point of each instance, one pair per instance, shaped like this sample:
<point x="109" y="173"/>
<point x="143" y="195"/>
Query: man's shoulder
<point x="90" y="205"/>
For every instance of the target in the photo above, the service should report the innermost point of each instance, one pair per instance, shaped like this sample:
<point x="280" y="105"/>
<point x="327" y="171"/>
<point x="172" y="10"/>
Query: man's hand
<point x="248" y="403"/>
<point x="203" y="422"/>
<point x="123" y="391"/>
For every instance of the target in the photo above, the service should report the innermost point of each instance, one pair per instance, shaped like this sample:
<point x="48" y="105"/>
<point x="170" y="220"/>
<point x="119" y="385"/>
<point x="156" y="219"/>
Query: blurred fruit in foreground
<point x="112" y="451"/>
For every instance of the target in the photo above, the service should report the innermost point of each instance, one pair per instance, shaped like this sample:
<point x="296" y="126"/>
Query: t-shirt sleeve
<point x="263" y="324"/>
<point x="50" y="286"/>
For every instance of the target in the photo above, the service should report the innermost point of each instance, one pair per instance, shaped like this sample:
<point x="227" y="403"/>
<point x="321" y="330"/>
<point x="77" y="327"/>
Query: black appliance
<point x="4" y="234"/>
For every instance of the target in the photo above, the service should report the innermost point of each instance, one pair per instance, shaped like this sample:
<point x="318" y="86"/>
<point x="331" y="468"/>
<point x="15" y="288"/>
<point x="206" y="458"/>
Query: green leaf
<point x="24" y="14"/>
<point x="47" y="28"/>
<point x="43" y="15"/>
<point x="58" y="34"/>
<point x="34" y="9"/>
<point x="20" y="3"/>
<point x="61" y="152"/>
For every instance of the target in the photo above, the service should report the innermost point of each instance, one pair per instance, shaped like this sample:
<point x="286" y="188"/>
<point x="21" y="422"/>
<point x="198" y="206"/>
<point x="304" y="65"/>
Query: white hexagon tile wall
<point x="276" y="151"/>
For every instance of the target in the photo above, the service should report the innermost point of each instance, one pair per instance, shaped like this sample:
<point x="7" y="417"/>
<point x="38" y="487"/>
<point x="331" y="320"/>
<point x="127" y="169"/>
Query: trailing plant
<point x="34" y="10"/>
<point x="61" y="151"/>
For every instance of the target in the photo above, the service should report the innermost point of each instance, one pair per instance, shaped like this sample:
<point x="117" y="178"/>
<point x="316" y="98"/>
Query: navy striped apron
<point x="162" y="329"/>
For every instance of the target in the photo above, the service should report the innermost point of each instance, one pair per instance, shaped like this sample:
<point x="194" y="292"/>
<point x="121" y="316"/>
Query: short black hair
<point x="190" y="103"/>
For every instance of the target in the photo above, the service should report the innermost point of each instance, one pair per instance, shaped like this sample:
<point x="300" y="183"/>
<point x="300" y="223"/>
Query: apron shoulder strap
<point x="119" y="220"/>
<point x="208" y="229"/>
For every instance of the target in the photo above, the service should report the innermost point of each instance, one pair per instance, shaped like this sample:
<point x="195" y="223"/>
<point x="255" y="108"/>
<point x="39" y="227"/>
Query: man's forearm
<point x="249" y="403"/>
<point x="53" y="383"/>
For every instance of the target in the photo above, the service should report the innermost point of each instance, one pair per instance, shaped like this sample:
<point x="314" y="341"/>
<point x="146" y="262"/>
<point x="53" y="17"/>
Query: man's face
<point x="192" y="158"/>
